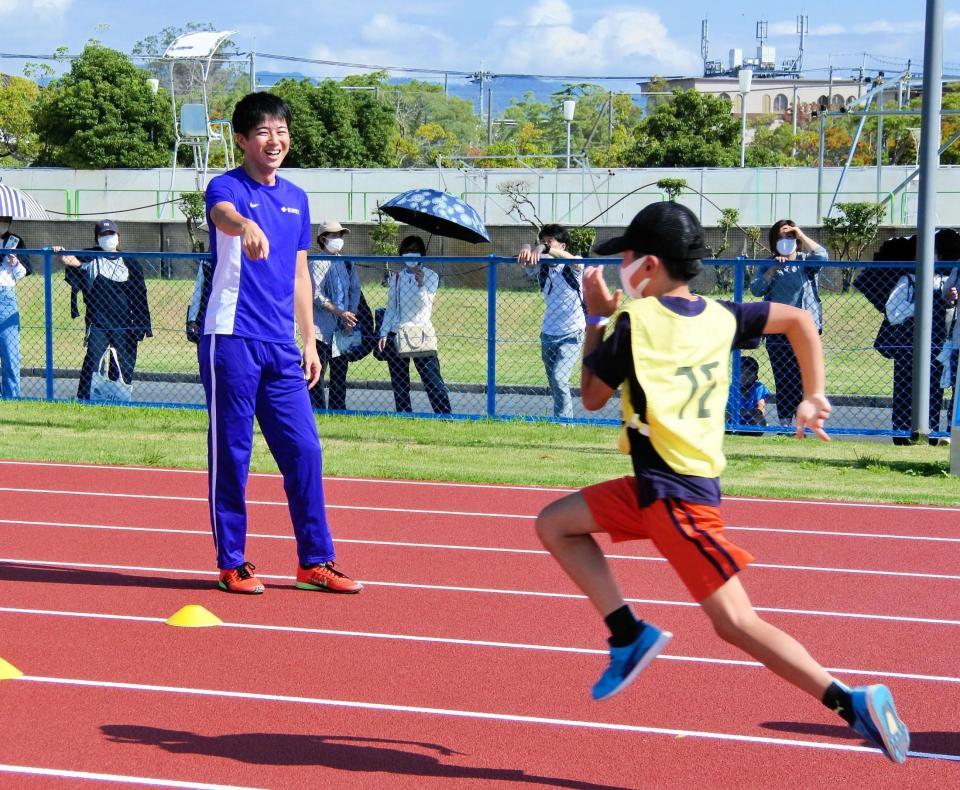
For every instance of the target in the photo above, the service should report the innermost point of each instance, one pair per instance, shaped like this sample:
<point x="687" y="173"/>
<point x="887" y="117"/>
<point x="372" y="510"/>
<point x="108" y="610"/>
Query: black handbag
<point x="894" y="338"/>
<point x="368" y="335"/>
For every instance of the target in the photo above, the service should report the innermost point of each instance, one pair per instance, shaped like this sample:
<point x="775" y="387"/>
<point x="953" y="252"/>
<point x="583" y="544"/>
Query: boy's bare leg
<point x="565" y="528"/>
<point x="735" y="621"/>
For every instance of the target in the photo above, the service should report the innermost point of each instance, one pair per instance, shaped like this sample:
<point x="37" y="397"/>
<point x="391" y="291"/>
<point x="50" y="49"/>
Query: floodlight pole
<point x="569" y="108"/>
<point x="745" y="76"/>
<point x="927" y="217"/>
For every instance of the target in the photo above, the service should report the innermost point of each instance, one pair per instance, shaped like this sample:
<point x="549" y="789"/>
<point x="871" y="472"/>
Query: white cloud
<point x="386" y="29"/>
<point x="26" y="6"/>
<point x="548" y="39"/>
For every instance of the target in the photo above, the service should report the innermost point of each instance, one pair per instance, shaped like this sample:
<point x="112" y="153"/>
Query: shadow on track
<point x="945" y="743"/>
<point x="339" y="752"/>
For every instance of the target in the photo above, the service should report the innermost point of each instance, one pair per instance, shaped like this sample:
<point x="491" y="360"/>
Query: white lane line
<point x="733" y="662"/>
<point x="482" y="590"/>
<point x="464" y="513"/>
<point x="489" y="486"/>
<point x="828" y="533"/>
<point x="275" y="476"/>
<point x="466" y="714"/>
<point x="493" y="549"/>
<point x="29" y="770"/>
<point x="272" y="503"/>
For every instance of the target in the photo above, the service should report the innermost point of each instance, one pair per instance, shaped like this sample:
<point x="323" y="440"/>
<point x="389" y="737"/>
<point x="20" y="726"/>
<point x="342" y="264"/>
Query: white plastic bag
<point x="900" y="303"/>
<point x="103" y="388"/>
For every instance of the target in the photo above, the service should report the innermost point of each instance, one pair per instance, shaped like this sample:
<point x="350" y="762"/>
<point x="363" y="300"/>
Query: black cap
<point x="105" y="226"/>
<point x="667" y="230"/>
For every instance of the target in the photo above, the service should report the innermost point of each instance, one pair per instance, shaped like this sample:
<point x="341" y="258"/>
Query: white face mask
<point x="108" y="242"/>
<point x="334" y="245"/>
<point x="411" y="259"/>
<point x="787" y="246"/>
<point x="626" y="279"/>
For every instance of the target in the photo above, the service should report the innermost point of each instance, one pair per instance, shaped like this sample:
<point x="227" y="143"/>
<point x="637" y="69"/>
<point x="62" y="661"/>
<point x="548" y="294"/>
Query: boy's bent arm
<point x="594" y="392"/>
<point x="802" y="333"/>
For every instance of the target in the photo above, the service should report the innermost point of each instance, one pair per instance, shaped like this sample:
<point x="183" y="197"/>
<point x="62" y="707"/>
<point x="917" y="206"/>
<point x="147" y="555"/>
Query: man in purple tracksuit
<point x="249" y="360"/>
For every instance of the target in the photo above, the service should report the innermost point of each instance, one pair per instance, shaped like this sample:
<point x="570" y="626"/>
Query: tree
<point x="518" y="193"/>
<point x="193" y="207"/>
<point x="672" y="186"/>
<point x="771" y="147"/>
<point x="18" y="141"/>
<point x="581" y="240"/>
<point x="384" y="235"/>
<point x="328" y="131"/>
<point x="413" y="105"/>
<point x="102" y="114"/>
<point x="692" y="130"/>
<point x="526" y="143"/>
<point x="849" y="233"/>
<point x="729" y="219"/>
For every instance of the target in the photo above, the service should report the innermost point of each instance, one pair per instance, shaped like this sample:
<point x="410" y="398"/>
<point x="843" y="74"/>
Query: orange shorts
<point x="689" y="536"/>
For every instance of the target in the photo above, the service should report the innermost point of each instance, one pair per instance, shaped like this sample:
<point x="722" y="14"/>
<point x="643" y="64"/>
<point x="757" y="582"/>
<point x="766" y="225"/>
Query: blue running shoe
<point x="629" y="661"/>
<point x="877" y="721"/>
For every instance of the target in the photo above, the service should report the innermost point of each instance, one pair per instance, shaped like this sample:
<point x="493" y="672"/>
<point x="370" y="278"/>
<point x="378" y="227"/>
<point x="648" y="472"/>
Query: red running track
<point x="466" y="660"/>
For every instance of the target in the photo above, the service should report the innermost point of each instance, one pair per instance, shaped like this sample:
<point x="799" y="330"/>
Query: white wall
<point x="570" y="196"/>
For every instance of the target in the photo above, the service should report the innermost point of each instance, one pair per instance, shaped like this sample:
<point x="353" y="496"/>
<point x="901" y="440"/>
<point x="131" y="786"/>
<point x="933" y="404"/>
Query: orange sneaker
<point x="241" y="580"/>
<point x="326" y="578"/>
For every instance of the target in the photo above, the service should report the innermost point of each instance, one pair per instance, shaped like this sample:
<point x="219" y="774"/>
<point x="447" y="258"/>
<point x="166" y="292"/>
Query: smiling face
<point x="264" y="148"/>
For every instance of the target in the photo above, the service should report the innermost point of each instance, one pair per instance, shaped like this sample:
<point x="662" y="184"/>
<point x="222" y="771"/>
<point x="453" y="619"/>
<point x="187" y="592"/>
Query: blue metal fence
<point x="487" y="314"/>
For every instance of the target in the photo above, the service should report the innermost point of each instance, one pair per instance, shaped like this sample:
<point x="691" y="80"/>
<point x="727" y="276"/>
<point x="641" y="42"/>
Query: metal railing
<point x="492" y="361"/>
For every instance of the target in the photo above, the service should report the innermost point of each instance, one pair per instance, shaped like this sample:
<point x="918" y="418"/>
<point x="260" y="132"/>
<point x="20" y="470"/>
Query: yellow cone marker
<point x="194" y="616"/>
<point x="8" y="671"/>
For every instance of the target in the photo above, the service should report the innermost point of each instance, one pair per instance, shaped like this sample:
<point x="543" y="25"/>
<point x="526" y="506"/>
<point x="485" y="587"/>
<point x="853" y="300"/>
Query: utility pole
<point x="794" y="113"/>
<point x="927" y="218"/>
<point x="610" y="118"/>
<point x="489" y="115"/>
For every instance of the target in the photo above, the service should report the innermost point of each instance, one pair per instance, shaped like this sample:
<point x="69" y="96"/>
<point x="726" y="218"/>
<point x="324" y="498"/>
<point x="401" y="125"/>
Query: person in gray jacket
<point x="789" y="280"/>
<point x="336" y="299"/>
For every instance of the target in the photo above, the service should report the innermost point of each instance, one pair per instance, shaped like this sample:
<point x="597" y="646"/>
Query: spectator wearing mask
<point x="115" y="297"/>
<point x="12" y="270"/>
<point x="789" y="280"/>
<point x="410" y="295"/>
<point x="564" y="319"/>
<point x="336" y="300"/>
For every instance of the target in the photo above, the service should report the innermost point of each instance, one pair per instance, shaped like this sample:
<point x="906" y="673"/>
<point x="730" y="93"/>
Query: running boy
<point x="249" y="361"/>
<point x="671" y="353"/>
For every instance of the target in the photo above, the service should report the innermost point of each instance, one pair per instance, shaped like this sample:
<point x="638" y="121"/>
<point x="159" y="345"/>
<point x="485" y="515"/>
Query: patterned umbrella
<point x="438" y="213"/>
<point x="18" y="204"/>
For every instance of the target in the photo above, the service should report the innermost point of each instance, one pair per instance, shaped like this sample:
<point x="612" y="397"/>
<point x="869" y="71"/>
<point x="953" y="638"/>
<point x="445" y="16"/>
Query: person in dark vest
<point x="894" y="338"/>
<point x="115" y="297"/>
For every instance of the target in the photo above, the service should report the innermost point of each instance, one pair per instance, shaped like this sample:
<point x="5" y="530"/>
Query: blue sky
<point x="572" y="37"/>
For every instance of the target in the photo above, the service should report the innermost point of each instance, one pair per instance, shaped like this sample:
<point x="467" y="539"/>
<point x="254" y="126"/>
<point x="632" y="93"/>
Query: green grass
<point x="460" y="315"/>
<point x="515" y="452"/>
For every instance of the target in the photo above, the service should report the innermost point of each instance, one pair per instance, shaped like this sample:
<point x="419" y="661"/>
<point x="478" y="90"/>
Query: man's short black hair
<point x="557" y="232"/>
<point x="412" y="244"/>
<point x="254" y="108"/>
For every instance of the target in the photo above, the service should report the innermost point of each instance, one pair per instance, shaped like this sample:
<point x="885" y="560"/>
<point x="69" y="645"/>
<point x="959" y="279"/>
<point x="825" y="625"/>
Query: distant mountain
<point x="505" y="89"/>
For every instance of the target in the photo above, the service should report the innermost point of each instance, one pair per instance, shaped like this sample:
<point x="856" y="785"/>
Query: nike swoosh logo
<point x="254" y="205"/>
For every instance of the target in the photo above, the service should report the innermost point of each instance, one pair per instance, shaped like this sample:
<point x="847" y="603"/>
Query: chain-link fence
<point x="492" y="358"/>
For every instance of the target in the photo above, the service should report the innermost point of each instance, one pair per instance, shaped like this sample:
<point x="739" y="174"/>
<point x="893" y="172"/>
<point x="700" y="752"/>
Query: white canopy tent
<point x="192" y="126"/>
